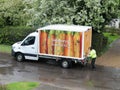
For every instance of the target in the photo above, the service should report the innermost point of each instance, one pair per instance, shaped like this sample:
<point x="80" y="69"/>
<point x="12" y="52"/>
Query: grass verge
<point x="19" y="86"/>
<point x="5" y="48"/>
<point x="22" y="86"/>
<point x="111" y="37"/>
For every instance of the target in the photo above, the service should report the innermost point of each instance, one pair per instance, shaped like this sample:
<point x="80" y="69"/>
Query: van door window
<point x="29" y="41"/>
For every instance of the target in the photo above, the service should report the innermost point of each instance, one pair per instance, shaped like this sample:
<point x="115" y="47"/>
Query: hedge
<point x="99" y="42"/>
<point x="10" y="35"/>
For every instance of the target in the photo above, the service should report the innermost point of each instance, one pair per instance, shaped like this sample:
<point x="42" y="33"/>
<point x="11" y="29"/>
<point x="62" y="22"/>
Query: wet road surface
<point x="112" y="56"/>
<point x="53" y="77"/>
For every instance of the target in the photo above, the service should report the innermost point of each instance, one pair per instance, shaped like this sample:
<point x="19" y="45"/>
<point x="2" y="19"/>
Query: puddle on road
<point x="24" y="71"/>
<point x="5" y="64"/>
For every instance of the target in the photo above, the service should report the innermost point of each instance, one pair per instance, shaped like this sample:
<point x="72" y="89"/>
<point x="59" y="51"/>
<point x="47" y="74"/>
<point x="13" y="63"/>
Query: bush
<point x="10" y="35"/>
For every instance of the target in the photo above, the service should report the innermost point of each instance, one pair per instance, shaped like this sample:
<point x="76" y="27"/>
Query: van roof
<point x="63" y="27"/>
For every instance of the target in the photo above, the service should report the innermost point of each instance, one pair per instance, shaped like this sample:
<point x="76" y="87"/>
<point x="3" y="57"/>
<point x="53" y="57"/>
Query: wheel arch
<point x="20" y="56"/>
<point x="17" y="53"/>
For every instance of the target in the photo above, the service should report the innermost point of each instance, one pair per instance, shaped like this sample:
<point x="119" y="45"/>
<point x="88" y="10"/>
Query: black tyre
<point x="66" y="64"/>
<point x="19" y="57"/>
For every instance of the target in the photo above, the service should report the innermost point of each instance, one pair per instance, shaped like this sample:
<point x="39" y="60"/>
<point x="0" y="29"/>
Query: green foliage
<point x="12" y="13"/>
<point x="95" y="13"/>
<point x="10" y="35"/>
<point x="110" y="9"/>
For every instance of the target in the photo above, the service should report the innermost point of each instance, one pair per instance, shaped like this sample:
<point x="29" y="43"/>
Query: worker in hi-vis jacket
<point x="93" y="56"/>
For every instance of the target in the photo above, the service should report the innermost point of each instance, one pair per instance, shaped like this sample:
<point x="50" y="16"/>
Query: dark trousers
<point x="93" y="63"/>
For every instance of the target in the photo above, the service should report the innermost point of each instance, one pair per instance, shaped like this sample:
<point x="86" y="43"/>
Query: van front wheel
<point x="19" y="57"/>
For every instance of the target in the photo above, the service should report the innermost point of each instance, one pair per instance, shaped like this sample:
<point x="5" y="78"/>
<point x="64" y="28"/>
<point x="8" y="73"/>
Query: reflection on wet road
<point x="77" y="78"/>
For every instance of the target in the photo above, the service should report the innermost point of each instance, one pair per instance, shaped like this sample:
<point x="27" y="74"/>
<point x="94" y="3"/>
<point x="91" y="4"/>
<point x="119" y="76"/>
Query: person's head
<point x="90" y="48"/>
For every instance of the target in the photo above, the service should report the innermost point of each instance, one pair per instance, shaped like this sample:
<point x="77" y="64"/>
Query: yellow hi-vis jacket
<point x="92" y="54"/>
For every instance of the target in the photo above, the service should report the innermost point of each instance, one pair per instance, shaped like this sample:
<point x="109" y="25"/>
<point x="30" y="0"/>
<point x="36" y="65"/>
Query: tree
<point x="110" y="9"/>
<point x="12" y="13"/>
<point x="96" y="13"/>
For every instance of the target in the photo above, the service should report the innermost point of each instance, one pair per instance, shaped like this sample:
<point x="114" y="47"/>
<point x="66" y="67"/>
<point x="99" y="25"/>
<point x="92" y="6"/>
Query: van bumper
<point x="13" y="52"/>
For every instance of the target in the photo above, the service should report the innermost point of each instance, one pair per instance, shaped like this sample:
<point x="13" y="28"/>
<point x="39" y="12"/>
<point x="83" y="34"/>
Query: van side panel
<point x="60" y="43"/>
<point x="87" y="41"/>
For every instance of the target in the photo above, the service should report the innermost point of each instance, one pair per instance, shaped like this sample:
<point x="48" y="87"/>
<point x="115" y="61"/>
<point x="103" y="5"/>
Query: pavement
<point x="111" y="58"/>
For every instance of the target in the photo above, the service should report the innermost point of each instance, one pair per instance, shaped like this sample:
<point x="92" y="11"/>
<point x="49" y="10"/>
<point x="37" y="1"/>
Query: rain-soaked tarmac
<point x="53" y="77"/>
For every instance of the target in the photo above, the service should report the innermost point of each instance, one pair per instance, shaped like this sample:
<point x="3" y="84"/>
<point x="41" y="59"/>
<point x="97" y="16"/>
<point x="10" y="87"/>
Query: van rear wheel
<point x="66" y="64"/>
<point x="19" y="57"/>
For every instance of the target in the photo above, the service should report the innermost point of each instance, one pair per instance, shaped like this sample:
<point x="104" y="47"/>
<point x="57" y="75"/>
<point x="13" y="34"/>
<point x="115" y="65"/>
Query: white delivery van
<point x="63" y="43"/>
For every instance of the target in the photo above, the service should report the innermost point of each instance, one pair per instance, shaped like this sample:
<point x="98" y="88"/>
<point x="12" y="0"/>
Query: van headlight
<point x="13" y="47"/>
